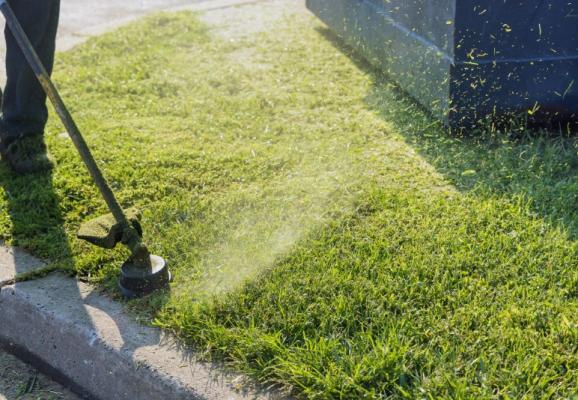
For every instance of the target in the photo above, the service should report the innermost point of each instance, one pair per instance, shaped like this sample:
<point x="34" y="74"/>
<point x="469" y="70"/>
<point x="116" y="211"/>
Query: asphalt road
<point x="19" y="381"/>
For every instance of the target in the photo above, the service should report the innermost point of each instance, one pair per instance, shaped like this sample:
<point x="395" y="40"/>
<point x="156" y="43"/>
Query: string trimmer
<point x="143" y="272"/>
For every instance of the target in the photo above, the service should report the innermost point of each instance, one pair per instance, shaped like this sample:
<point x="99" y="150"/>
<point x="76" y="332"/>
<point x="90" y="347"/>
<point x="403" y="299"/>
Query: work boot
<point x="26" y="155"/>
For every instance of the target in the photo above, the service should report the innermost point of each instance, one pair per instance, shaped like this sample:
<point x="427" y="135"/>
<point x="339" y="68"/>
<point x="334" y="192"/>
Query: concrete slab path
<point x="80" y="19"/>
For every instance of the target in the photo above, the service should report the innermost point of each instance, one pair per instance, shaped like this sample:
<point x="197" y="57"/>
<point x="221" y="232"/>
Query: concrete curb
<point x="87" y="339"/>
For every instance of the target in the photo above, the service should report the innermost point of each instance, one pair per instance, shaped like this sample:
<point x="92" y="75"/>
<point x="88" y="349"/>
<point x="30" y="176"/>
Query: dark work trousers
<point x="24" y="110"/>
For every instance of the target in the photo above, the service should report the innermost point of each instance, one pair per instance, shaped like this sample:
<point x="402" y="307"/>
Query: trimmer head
<point x="142" y="273"/>
<point x="136" y="281"/>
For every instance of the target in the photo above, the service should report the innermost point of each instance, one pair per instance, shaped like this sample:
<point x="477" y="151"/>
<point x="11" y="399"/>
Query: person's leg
<point x="24" y="111"/>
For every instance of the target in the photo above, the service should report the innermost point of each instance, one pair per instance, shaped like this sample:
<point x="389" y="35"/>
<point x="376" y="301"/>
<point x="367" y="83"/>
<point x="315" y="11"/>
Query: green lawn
<point x="323" y="233"/>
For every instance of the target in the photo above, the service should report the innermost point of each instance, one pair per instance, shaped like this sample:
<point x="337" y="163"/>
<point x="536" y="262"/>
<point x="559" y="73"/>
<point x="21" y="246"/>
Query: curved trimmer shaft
<point x="141" y="261"/>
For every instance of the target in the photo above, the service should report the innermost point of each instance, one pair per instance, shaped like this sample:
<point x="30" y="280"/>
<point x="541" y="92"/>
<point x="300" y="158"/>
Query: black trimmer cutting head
<point x="136" y="281"/>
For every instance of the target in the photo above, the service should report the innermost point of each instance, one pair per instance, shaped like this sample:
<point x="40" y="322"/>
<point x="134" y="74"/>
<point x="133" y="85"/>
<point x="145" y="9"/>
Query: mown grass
<point x="324" y="234"/>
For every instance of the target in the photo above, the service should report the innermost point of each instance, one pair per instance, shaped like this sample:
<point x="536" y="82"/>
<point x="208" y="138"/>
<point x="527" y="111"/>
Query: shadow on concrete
<point x="539" y="165"/>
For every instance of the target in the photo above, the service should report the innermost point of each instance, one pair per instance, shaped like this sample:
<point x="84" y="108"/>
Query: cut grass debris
<point x="324" y="234"/>
<point x="19" y="381"/>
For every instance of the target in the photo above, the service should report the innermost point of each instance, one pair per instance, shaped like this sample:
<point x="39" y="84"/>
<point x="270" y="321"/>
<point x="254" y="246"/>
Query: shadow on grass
<point x="539" y="166"/>
<point x="37" y="224"/>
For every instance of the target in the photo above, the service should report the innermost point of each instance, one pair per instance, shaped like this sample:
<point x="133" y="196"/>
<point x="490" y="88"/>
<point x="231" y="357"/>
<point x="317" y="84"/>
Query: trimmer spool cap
<point x="136" y="281"/>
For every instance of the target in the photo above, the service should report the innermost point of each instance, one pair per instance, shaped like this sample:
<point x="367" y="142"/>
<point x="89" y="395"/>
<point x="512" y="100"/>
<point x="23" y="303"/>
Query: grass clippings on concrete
<point x="323" y="233"/>
<point x="19" y="381"/>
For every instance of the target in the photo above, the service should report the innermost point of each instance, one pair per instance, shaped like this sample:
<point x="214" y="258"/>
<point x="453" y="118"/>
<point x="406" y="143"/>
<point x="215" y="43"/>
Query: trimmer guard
<point x="105" y="231"/>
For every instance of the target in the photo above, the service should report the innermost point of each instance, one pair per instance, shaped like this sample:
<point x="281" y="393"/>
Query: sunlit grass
<point x="323" y="232"/>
